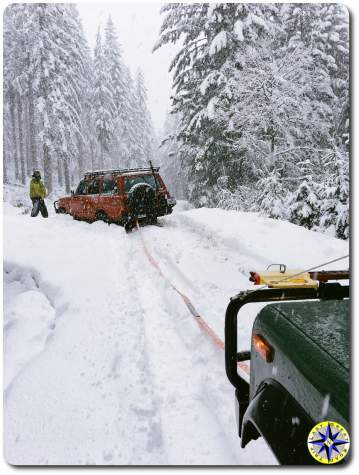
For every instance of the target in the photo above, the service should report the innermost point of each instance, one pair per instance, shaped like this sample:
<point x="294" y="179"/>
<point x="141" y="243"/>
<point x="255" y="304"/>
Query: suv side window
<point x="108" y="184"/>
<point x="82" y="188"/>
<point x="94" y="188"/>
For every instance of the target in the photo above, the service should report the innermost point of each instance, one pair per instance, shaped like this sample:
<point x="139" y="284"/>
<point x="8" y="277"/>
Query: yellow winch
<point x="283" y="278"/>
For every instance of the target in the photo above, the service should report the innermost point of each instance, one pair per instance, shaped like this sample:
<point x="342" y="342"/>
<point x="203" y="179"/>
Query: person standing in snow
<point x="37" y="195"/>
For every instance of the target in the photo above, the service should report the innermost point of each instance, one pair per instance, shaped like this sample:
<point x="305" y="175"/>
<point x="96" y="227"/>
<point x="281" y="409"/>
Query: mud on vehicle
<point x="299" y="363"/>
<point x="121" y="196"/>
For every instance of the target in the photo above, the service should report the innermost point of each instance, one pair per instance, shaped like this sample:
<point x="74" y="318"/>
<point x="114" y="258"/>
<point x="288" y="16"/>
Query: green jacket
<point x="37" y="189"/>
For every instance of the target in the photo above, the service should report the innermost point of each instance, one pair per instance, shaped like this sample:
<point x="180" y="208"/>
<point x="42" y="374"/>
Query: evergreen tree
<point x="211" y="36"/>
<point x="15" y="83"/>
<point x="143" y="123"/>
<point x="121" y="96"/>
<point x="104" y="105"/>
<point x="304" y="202"/>
<point x="334" y="195"/>
<point x="272" y="196"/>
<point x="172" y="168"/>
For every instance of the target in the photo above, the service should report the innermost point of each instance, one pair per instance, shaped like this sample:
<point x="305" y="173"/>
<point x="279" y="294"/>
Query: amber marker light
<point x="255" y="277"/>
<point x="263" y="348"/>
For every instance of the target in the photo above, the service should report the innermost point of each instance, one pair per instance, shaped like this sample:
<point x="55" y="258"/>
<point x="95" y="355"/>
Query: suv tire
<point x="142" y="200"/>
<point x="102" y="216"/>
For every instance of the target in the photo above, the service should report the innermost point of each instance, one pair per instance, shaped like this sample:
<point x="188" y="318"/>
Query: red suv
<point x="119" y="196"/>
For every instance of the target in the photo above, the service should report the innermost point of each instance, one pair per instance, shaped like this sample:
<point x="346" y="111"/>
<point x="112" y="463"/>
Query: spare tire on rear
<point x="142" y="200"/>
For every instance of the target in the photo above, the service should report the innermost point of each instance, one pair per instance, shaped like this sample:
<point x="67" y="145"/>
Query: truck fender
<point x="276" y="416"/>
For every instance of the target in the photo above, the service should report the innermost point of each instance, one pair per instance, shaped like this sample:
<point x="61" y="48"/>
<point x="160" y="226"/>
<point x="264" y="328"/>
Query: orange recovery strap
<point x="216" y="340"/>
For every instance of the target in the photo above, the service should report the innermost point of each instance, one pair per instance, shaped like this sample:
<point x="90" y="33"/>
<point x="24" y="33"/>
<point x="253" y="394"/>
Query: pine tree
<point x="13" y="81"/>
<point x="272" y="196"/>
<point x="334" y="195"/>
<point x="172" y="168"/>
<point x="304" y="202"/>
<point x="104" y="105"/>
<point x="207" y="73"/>
<point x="121" y="96"/>
<point x="143" y="123"/>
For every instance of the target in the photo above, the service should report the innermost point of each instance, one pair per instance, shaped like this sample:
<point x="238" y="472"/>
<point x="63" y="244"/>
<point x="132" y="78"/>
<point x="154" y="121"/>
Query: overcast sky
<point x="138" y="25"/>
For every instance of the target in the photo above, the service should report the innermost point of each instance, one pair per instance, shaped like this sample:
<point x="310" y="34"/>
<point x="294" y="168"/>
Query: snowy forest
<point x="259" y="116"/>
<point x="68" y="109"/>
<point x="261" y="109"/>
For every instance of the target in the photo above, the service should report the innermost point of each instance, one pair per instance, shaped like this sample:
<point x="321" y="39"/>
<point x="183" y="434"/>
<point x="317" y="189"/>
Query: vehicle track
<point x="140" y="423"/>
<point x="191" y="432"/>
<point x="209" y="272"/>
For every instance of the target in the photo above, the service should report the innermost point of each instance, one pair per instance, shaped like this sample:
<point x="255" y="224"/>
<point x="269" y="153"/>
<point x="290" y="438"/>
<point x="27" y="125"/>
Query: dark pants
<point x="38" y="204"/>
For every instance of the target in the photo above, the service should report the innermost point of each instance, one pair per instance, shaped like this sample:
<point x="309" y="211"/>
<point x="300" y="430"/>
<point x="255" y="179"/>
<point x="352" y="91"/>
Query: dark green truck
<point x="299" y="367"/>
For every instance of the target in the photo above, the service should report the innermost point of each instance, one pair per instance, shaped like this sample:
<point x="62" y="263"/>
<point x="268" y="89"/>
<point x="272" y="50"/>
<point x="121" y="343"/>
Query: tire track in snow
<point x="208" y="273"/>
<point x="192" y="433"/>
<point x="138" y="422"/>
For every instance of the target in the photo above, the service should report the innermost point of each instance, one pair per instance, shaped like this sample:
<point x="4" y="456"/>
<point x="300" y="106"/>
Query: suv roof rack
<point x="120" y="171"/>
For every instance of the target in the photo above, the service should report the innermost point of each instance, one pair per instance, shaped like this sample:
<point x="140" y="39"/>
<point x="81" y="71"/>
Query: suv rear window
<point x="149" y="179"/>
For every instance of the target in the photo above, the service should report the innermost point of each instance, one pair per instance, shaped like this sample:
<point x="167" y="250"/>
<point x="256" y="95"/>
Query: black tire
<point x="61" y="211"/>
<point x="102" y="216"/>
<point x="142" y="201"/>
<point x="152" y="220"/>
<point x="128" y="227"/>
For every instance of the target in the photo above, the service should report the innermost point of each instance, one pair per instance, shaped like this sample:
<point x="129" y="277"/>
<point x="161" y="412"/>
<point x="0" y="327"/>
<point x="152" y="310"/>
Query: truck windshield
<point x="149" y="179"/>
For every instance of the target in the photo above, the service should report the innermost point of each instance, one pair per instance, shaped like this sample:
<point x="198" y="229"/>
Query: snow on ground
<point x="103" y="362"/>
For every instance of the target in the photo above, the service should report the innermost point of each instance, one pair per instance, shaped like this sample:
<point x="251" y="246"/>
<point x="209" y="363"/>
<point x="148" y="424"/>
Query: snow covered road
<point x="103" y="362"/>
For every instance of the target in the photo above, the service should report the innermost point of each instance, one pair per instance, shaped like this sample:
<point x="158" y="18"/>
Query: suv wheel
<point x="102" y="216"/>
<point x="152" y="220"/>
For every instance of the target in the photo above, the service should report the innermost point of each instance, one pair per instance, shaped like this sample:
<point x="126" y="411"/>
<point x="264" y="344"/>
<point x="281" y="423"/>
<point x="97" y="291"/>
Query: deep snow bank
<point x="265" y="241"/>
<point x="29" y="319"/>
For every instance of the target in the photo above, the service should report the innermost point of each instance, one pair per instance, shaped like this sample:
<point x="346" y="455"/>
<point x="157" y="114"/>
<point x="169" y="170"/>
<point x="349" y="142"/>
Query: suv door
<point x="91" y="199"/>
<point x="111" y="198"/>
<point x="77" y="200"/>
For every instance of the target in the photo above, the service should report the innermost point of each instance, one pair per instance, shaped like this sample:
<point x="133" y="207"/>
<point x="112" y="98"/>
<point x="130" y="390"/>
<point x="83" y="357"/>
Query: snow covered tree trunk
<point x="67" y="176"/>
<point x="60" y="180"/>
<point x="47" y="167"/>
<point x="27" y="140"/>
<point x="32" y="134"/>
<point x="102" y="155"/>
<point x="21" y="139"/>
<point x="14" y="137"/>
<point x="93" y="163"/>
<point x="5" y="165"/>
<point x="80" y="158"/>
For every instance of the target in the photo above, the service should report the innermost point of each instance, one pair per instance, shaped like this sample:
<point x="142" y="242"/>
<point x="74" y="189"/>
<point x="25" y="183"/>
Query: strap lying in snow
<point x="216" y="340"/>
